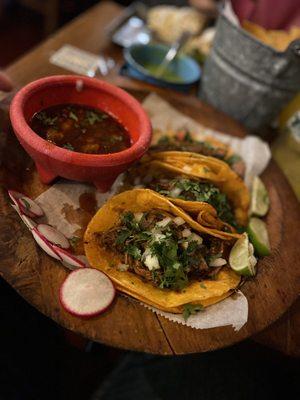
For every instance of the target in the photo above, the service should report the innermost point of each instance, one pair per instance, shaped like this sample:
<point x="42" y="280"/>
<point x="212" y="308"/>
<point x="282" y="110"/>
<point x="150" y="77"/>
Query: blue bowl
<point x="139" y="56"/>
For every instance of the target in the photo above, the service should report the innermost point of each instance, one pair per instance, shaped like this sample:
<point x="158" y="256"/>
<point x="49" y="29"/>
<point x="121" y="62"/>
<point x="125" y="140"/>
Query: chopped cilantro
<point x="188" y="137"/>
<point x="191" y="309"/>
<point x="45" y="119"/>
<point x="201" y="191"/>
<point x="133" y="251"/>
<point x="202" y="285"/>
<point x="73" y="116"/>
<point x="92" y="117"/>
<point x="68" y="146"/>
<point x="164" y="140"/>
<point x="233" y="159"/>
<point x="135" y="237"/>
<point x="122" y="236"/>
<point x="26" y="204"/>
<point x="74" y="241"/>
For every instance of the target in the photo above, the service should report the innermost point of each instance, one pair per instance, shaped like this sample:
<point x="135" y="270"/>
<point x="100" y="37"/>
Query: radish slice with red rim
<point x="31" y="206"/>
<point x="86" y="292"/>
<point x="44" y="244"/>
<point x="69" y="260"/>
<point x="26" y="205"/>
<point x="27" y="221"/>
<point x="14" y="196"/>
<point x="53" y="235"/>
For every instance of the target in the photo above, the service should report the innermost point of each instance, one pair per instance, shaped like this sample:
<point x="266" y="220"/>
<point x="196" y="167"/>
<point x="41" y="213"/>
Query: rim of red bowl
<point x="41" y="145"/>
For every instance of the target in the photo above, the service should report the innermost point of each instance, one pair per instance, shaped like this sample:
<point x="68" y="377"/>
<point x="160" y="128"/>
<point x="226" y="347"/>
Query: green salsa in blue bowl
<point x="144" y="60"/>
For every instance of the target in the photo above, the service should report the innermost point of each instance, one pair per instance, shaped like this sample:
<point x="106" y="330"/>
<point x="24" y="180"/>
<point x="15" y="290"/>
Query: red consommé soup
<point x="81" y="128"/>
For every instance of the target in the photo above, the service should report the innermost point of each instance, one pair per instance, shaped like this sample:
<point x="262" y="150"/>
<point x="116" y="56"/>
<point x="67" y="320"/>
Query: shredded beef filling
<point x="187" y="143"/>
<point x="195" y="190"/>
<point x="154" y="247"/>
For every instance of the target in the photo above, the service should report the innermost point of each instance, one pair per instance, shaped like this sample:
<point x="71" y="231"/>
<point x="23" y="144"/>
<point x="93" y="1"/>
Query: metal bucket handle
<point x="289" y="56"/>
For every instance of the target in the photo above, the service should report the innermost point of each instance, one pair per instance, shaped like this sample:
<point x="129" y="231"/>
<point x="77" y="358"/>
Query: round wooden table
<point x="128" y="325"/>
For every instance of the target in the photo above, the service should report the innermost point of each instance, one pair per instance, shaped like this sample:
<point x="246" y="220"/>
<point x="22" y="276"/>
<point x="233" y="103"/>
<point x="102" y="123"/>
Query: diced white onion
<point x="150" y="260"/>
<point x="158" y="236"/>
<point x="217" y="262"/>
<point x="179" y="221"/>
<point x="175" y="192"/>
<point x="186" y="232"/>
<point x="163" y="222"/>
<point x="196" y="238"/>
<point x="122" y="267"/>
<point x="138" y="216"/>
<point x="185" y="245"/>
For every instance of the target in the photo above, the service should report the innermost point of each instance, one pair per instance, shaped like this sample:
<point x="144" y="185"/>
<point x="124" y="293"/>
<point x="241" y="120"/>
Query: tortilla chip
<point x="142" y="200"/>
<point x="278" y="39"/>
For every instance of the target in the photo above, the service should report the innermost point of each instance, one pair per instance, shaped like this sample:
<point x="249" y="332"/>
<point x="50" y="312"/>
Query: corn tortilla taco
<point x="199" y="168"/>
<point x="184" y="140"/>
<point x="201" y="191"/>
<point x="156" y="253"/>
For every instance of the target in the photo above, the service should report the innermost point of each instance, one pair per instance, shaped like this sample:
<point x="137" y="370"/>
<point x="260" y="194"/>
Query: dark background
<point x="23" y="24"/>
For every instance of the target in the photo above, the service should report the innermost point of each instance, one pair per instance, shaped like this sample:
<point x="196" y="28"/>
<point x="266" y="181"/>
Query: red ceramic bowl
<point x="52" y="161"/>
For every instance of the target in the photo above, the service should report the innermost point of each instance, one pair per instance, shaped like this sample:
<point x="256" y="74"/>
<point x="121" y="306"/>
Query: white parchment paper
<point x="256" y="154"/>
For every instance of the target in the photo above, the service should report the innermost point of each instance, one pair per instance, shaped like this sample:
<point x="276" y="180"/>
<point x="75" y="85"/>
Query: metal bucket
<point x="247" y="79"/>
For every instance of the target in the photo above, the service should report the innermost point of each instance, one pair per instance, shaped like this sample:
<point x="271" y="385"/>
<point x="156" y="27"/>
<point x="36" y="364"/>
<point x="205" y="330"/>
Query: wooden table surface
<point x="88" y="32"/>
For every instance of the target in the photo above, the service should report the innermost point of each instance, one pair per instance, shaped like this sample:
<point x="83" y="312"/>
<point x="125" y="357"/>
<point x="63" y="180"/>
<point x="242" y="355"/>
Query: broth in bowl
<point x="81" y="128"/>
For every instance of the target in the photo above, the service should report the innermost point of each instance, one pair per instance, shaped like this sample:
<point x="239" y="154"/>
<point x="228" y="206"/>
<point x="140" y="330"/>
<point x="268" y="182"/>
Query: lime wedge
<point x="241" y="258"/>
<point x="260" y="201"/>
<point x="258" y="234"/>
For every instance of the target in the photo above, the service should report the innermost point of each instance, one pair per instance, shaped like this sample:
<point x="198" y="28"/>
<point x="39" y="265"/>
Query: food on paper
<point x="53" y="235"/>
<point x="49" y="239"/>
<point x="25" y="205"/>
<point x="137" y="239"/>
<point x="209" y="169"/>
<point x="69" y="259"/>
<point x="86" y="292"/>
<point x="30" y="223"/>
<point x="45" y="244"/>
<point x="184" y="140"/>
<point x="80" y="128"/>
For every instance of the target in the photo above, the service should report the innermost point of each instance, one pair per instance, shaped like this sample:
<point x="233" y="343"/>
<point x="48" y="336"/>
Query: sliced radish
<point x="24" y="210"/>
<point x="14" y="195"/>
<point x="69" y="259"/>
<point x="26" y="205"/>
<point x="53" y="235"/>
<point x="27" y="221"/>
<point x="44" y="244"/>
<point x="86" y="292"/>
<point x="31" y="206"/>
